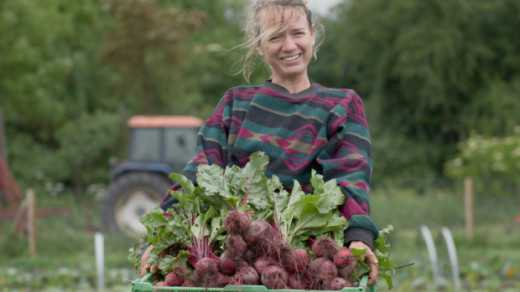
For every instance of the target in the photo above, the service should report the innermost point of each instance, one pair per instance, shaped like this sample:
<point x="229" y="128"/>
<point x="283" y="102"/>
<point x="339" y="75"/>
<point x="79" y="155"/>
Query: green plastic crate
<point x="144" y="285"/>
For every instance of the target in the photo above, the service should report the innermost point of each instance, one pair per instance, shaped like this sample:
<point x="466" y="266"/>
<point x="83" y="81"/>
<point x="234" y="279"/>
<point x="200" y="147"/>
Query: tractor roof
<point x="164" y="121"/>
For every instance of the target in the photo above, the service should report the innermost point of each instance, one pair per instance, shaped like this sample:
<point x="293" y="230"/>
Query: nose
<point x="289" y="43"/>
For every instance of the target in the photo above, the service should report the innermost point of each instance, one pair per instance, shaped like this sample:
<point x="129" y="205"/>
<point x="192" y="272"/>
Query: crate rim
<point x="144" y="285"/>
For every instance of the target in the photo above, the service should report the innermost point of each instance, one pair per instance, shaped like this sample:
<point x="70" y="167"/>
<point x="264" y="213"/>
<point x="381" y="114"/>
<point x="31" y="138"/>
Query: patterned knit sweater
<point x="319" y="128"/>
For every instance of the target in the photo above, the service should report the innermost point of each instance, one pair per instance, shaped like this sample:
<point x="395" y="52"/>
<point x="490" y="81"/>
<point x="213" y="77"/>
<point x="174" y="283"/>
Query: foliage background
<point x="430" y="72"/>
<point x="440" y="82"/>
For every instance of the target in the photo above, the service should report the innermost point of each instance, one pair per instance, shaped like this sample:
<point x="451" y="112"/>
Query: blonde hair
<point x="256" y="31"/>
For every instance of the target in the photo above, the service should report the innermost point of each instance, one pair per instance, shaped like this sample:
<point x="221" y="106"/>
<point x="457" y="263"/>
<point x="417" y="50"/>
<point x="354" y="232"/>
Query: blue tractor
<point x="158" y="146"/>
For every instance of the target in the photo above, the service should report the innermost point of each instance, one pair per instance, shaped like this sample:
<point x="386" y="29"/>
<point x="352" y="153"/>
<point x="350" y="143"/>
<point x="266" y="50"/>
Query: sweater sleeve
<point x="347" y="158"/>
<point x="211" y="145"/>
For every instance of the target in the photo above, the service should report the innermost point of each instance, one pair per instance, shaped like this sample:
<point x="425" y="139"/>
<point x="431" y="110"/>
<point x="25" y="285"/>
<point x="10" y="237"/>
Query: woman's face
<point x="288" y="49"/>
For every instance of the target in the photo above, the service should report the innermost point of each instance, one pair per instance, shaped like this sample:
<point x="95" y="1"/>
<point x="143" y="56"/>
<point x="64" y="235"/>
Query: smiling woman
<point x="302" y="126"/>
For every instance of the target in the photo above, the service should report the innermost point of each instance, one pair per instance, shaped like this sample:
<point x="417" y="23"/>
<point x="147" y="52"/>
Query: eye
<point x="275" y="38"/>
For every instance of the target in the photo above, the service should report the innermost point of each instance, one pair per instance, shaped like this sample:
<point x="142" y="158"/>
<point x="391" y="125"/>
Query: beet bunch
<point x="253" y="255"/>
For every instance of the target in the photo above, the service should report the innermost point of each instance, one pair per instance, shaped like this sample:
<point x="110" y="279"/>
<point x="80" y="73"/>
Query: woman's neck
<point x="294" y="86"/>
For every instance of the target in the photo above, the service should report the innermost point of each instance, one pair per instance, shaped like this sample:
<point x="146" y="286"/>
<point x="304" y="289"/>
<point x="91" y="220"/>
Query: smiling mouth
<point x="292" y="58"/>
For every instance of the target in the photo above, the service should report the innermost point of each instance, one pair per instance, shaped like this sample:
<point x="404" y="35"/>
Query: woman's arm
<point x="347" y="159"/>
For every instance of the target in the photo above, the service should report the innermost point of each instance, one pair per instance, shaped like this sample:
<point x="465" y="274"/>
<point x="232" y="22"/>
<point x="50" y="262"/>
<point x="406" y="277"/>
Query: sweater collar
<point x="282" y="90"/>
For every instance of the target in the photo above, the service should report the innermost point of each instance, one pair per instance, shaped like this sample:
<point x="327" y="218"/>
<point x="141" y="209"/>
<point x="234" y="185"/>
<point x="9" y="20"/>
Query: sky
<point x="321" y="6"/>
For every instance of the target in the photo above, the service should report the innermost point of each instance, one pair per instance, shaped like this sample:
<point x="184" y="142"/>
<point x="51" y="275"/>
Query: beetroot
<point x="322" y="269"/>
<point x="235" y="244"/>
<point x="259" y="236"/>
<point x="227" y="263"/>
<point x="222" y="280"/>
<point x="325" y="247"/>
<point x="236" y="222"/>
<point x="296" y="281"/>
<point x="336" y="283"/>
<point x="206" y="271"/>
<point x="261" y="263"/>
<point x="300" y="260"/>
<point x="206" y="266"/>
<point x="344" y="257"/>
<point x="274" y="277"/>
<point x="161" y="284"/>
<point x="347" y="271"/>
<point x="188" y="283"/>
<point x="240" y="263"/>
<point x="249" y="256"/>
<point x="172" y="279"/>
<point x="246" y="275"/>
<point x="176" y="277"/>
<point x="282" y="252"/>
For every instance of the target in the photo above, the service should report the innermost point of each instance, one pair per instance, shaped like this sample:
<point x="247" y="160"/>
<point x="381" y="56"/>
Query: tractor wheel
<point x="129" y="197"/>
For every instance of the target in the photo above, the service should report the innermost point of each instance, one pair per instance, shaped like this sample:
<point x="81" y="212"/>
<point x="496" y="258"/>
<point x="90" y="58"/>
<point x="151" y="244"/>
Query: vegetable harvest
<point x="237" y="226"/>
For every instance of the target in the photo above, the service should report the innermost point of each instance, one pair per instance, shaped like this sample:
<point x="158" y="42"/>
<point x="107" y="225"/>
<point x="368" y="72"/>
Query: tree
<point x="50" y="79"/>
<point x="428" y="70"/>
<point x="215" y="60"/>
<point x="74" y="71"/>
<point x="143" y="46"/>
<point x="170" y="54"/>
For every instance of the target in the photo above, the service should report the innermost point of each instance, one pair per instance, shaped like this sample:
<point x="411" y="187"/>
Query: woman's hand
<point x="370" y="260"/>
<point x="145" y="266"/>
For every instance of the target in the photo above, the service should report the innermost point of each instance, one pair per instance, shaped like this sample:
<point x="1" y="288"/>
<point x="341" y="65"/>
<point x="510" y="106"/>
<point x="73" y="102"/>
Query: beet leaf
<point x="301" y="215"/>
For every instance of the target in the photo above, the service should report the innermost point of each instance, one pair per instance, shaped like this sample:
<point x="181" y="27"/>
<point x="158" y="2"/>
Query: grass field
<point x="490" y="261"/>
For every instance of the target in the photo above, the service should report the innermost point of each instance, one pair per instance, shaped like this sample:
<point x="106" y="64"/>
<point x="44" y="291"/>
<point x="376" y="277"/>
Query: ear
<point x="260" y="49"/>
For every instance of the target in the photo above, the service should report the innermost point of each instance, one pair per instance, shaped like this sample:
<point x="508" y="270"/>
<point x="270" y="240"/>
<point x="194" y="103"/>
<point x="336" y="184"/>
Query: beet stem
<point x="277" y="231"/>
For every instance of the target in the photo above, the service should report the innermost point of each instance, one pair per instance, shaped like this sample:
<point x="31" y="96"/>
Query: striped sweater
<point x="320" y="128"/>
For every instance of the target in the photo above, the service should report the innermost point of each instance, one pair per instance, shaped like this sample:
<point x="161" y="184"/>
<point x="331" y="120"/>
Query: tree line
<point x="431" y="73"/>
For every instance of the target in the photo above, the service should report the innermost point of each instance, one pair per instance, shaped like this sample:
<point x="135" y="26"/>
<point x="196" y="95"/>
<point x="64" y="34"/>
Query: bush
<point x="485" y="157"/>
<point x="78" y="159"/>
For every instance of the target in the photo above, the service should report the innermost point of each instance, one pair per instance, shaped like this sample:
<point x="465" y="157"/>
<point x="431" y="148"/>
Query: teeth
<point x="291" y="58"/>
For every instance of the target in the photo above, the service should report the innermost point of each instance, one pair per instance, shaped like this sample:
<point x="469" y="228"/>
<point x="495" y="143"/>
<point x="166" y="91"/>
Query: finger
<point x="145" y="266"/>
<point x="373" y="264"/>
<point x="144" y="262"/>
<point x="372" y="276"/>
<point x="144" y="269"/>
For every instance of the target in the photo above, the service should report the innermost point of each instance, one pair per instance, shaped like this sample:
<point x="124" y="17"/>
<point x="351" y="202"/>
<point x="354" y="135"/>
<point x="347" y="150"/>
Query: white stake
<point x="100" y="260"/>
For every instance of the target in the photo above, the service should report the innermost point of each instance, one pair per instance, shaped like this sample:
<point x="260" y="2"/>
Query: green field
<point x="490" y="261"/>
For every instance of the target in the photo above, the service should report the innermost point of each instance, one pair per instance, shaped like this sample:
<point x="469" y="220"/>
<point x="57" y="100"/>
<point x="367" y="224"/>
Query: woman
<point x="300" y="125"/>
